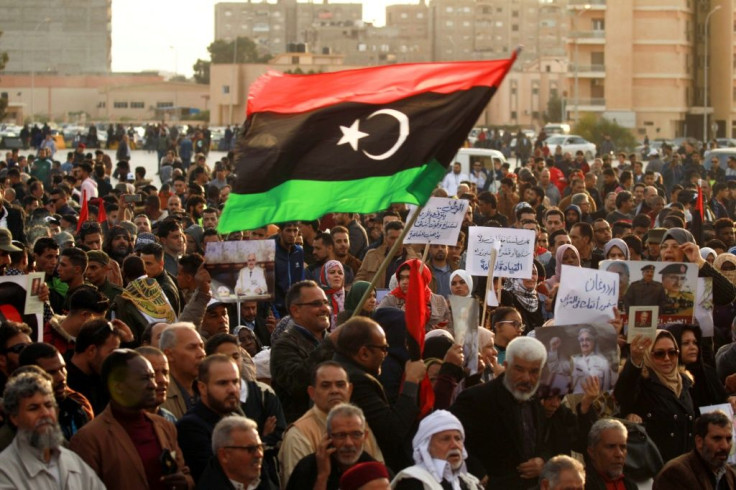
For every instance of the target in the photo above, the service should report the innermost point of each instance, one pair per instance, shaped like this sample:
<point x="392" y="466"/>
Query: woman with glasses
<point x="654" y="387"/>
<point x="332" y="281"/>
<point x="522" y="294"/>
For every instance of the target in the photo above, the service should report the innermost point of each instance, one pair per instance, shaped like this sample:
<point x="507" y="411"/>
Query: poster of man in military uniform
<point x="666" y="289"/>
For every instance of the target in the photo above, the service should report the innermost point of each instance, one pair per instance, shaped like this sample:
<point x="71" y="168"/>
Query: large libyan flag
<point x="354" y="140"/>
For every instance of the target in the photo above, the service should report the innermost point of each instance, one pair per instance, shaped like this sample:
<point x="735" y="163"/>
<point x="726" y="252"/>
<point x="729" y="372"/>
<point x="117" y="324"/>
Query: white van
<point x="467" y="156"/>
<point x="722" y="154"/>
<point x="556" y="128"/>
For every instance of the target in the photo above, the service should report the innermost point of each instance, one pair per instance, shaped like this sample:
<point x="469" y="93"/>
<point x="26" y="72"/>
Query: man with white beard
<point x="36" y="457"/>
<point x="439" y="455"/>
<point x="511" y="449"/>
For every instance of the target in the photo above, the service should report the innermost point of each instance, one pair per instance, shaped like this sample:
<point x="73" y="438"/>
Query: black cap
<point x="674" y="269"/>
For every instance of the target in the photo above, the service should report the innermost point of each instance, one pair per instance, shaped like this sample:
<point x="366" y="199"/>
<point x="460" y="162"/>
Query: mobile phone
<point x="168" y="462"/>
<point x="132" y="198"/>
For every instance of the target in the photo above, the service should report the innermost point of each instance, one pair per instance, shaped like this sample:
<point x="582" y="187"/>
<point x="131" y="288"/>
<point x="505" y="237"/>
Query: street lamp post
<point x="585" y="8"/>
<point x="705" y="76"/>
<point x="232" y="81"/>
<point x="33" y="71"/>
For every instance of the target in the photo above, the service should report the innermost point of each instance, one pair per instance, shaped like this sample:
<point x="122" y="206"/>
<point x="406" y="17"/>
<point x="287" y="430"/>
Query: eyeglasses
<point x="255" y="448"/>
<point x="661" y="354"/>
<point x="341" y="436"/>
<point x="315" y="304"/>
<point x="383" y="348"/>
<point x="90" y="225"/>
<point x="515" y="323"/>
<point x="17" y="348"/>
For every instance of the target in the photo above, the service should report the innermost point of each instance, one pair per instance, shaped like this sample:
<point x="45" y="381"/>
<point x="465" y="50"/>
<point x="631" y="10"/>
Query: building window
<point x="101" y="105"/>
<point x="515" y="28"/>
<point x="228" y="13"/>
<point x="513" y="115"/>
<point x="449" y="23"/>
<point x="420" y="15"/>
<point x="120" y="105"/>
<point x="162" y="105"/>
<point x="137" y="105"/>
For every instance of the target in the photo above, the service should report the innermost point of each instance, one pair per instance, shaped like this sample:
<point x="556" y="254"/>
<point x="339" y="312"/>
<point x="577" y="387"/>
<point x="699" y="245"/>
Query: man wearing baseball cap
<point x="6" y="246"/>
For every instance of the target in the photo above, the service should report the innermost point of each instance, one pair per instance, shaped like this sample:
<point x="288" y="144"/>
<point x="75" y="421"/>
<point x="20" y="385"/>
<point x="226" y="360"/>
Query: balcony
<point x="596" y="104"/>
<point x="587" y="71"/>
<point x="586" y="4"/>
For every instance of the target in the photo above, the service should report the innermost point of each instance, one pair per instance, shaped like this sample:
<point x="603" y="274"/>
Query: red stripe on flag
<point x="84" y="213"/>
<point x="283" y="93"/>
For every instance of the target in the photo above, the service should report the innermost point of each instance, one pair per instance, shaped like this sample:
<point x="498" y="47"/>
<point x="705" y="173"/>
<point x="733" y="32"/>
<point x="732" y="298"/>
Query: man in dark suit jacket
<point x="362" y="347"/>
<point x="706" y="466"/>
<point x="503" y="420"/>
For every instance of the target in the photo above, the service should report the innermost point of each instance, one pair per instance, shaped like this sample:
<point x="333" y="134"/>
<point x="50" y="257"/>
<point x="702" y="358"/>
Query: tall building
<point x="642" y="63"/>
<point x="56" y="36"/>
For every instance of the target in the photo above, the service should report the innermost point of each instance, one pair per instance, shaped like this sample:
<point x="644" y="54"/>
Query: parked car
<point x="571" y="143"/>
<point x="721" y="153"/>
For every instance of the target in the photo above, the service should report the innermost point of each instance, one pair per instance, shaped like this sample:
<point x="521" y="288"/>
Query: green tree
<point x="3" y="100"/>
<point x="554" y="109"/>
<point x="593" y="128"/>
<point x="222" y="52"/>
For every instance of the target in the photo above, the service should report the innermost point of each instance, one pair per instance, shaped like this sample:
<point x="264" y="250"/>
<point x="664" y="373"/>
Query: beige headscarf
<point x="722" y="259"/>
<point x="672" y="380"/>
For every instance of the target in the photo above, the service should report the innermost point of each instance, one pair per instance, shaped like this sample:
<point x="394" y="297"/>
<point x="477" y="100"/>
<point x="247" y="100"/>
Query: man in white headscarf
<point x="439" y="454"/>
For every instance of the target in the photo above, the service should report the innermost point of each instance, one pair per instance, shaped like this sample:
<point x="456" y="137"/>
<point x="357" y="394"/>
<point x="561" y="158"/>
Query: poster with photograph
<point x="14" y="303"/>
<point x="465" y="325"/>
<point x="241" y="270"/>
<point x="643" y="320"/>
<point x="672" y="286"/>
<point x="576" y="352"/>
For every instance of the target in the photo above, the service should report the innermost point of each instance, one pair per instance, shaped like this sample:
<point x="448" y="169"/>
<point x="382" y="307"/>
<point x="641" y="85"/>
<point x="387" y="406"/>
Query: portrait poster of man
<point x="14" y="291"/>
<point x="465" y="324"/>
<point x="671" y="286"/>
<point x="242" y="269"/>
<point x="577" y="352"/>
<point x="643" y="320"/>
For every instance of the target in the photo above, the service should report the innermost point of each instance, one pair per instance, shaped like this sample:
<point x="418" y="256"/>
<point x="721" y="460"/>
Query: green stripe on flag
<point x="308" y="199"/>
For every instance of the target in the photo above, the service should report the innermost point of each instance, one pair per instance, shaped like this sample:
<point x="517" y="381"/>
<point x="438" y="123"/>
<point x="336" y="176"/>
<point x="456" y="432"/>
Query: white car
<point x="571" y="143"/>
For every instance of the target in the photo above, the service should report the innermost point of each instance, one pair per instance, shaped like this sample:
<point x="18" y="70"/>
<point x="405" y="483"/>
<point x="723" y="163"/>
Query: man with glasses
<point x="14" y="337"/>
<point x="126" y="445"/>
<point x="601" y="234"/>
<point x="302" y="346"/>
<point x="340" y="449"/>
<point x="362" y="347"/>
<point x="507" y="325"/>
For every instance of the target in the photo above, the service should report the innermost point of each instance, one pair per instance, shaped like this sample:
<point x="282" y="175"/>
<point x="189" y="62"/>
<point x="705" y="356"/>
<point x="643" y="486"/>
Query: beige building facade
<point x="641" y="63"/>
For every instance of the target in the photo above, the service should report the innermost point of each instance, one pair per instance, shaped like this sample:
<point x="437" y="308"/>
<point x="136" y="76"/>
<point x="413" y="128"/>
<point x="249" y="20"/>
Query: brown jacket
<point x="689" y="471"/>
<point x="372" y="261"/>
<point x="175" y="402"/>
<point x="105" y="446"/>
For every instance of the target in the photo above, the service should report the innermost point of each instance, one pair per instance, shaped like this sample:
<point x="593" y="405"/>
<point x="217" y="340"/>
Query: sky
<point x="169" y="35"/>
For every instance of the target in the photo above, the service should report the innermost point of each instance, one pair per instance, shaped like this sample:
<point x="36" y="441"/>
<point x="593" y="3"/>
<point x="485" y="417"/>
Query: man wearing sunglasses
<point x="125" y="445"/>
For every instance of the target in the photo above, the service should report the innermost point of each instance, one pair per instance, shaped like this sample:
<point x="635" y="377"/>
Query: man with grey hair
<point x="184" y="350"/>
<point x="36" y="458"/>
<point x="237" y="456"/>
<point x="562" y="473"/>
<point x="706" y="466"/>
<point x="439" y="456"/>
<point x="511" y="449"/>
<point x="341" y="448"/>
<point x="607" y="455"/>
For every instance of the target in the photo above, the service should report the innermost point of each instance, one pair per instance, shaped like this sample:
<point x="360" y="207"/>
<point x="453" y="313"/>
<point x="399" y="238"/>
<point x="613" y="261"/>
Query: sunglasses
<point x="662" y="354"/>
<point x="17" y="348"/>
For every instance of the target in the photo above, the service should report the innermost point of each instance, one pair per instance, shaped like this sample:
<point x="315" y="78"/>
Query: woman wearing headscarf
<point x="708" y="254"/>
<point x="653" y="386"/>
<point x="706" y="389"/>
<point x="565" y="255"/>
<point x="353" y="298"/>
<point x="522" y="294"/>
<point x="573" y="214"/>
<point x="461" y="283"/>
<point x="616" y="249"/>
<point x="723" y="315"/>
<point x="332" y="281"/>
<point x="439" y="312"/>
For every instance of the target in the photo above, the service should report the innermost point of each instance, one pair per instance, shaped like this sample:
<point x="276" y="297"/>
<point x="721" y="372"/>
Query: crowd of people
<point x="136" y="374"/>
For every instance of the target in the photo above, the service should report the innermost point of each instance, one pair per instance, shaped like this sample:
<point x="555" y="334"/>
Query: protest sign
<point x="241" y="270"/>
<point x="576" y="352"/>
<point x="585" y="296"/>
<point x="671" y="286"/>
<point x="465" y="326"/>
<point x="14" y="304"/>
<point x="439" y="221"/>
<point x="515" y="256"/>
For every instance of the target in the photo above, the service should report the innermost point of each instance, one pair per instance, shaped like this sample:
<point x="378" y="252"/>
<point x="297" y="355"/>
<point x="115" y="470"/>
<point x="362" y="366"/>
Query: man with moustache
<point x="607" y="454"/>
<point x="218" y="384"/>
<point x="119" y="244"/>
<point x="439" y="456"/>
<point x="511" y="450"/>
<point x="36" y="458"/>
<point x="340" y="449"/>
<point x="706" y="466"/>
<point x="125" y="445"/>
<point x="160" y="366"/>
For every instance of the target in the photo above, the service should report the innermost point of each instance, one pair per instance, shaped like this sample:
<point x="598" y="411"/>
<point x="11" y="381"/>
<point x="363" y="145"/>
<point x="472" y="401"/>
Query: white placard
<point x="585" y="296"/>
<point x="439" y="222"/>
<point x="515" y="255"/>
